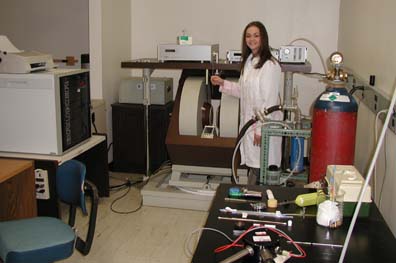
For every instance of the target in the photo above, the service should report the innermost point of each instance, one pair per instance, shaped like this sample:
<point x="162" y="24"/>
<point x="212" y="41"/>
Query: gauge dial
<point x="336" y="58"/>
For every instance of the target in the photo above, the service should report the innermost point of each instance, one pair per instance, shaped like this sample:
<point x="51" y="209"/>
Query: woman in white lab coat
<point x="258" y="89"/>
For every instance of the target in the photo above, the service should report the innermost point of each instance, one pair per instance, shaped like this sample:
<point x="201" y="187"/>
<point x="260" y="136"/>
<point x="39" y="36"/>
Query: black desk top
<point x="371" y="240"/>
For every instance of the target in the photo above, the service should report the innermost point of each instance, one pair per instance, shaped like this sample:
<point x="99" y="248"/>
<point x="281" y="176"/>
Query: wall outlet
<point x="42" y="187"/>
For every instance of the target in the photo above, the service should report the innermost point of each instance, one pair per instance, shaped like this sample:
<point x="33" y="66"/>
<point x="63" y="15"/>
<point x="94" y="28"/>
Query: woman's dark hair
<point x="265" y="53"/>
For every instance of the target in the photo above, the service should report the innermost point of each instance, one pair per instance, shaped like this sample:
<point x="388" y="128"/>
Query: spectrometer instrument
<point x="174" y="52"/>
<point x="292" y="54"/>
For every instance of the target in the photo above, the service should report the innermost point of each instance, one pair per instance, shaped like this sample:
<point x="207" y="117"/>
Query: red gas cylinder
<point x="333" y="131"/>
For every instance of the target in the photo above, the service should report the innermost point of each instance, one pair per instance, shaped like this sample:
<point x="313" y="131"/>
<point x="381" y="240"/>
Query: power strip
<point x="42" y="187"/>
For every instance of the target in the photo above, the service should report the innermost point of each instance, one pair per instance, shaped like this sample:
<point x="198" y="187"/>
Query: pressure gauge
<point x="336" y="58"/>
<point x="336" y="74"/>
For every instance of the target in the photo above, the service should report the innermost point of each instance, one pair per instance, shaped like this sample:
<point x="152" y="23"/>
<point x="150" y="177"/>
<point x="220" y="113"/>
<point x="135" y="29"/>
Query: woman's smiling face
<point x="253" y="39"/>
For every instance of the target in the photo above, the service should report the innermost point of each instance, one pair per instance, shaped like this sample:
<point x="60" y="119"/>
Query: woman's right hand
<point x="216" y="80"/>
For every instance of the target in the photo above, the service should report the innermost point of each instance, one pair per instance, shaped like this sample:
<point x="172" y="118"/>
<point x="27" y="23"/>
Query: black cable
<point x="108" y="147"/>
<point x="119" y="185"/>
<point x="385" y="172"/>
<point x="93" y="122"/>
<point x="118" y="189"/>
<point x="128" y="184"/>
<point x="125" y="212"/>
<point x="355" y="88"/>
<point x="122" y="196"/>
<point x="161" y="167"/>
<point x="314" y="73"/>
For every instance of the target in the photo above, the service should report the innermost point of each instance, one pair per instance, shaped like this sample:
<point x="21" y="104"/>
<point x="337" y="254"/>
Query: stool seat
<point x="45" y="239"/>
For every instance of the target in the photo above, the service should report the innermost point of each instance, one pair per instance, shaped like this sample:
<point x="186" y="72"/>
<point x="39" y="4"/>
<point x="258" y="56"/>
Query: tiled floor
<point x="152" y="234"/>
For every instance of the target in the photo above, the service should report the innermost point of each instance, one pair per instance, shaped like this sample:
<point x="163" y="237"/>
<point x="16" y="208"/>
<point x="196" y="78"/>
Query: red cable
<point x="234" y="244"/>
<point x="299" y="248"/>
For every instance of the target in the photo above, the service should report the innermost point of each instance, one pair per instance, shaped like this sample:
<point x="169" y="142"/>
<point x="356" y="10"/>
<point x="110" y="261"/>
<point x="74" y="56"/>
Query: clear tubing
<point x="316" y="48"/>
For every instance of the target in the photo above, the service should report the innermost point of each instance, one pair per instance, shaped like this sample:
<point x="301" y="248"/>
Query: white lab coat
<point x="257" y="89"/>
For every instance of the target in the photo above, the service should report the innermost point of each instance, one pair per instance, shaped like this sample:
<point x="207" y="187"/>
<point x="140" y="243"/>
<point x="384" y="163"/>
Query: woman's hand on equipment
<point x="257" y="140"/>
<point x="216" y="80"/>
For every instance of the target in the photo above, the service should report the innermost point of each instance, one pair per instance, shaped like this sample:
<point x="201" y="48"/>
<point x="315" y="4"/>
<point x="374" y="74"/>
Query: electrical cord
<point x="93" y="122"/>
<point x="115" y="190"/>
<point x="126" y="182"/>
<point x="385" y="173"/>
<point x="109" y="147"/>
<point x="313" y="75"/>
<point x="164" y="168"/>
<point x="355" y="88"/>
<point x="187" y="243"/>
<point x="376" y="141"/>
<point x="302" y="252"/>
<point x="385" y="161"/>
<point x="122" y="196"/>
<point x="119" y="185"/>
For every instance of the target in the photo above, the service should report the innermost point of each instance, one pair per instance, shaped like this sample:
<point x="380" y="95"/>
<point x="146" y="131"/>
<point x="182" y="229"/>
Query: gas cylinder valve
<point x="336" y="74"/>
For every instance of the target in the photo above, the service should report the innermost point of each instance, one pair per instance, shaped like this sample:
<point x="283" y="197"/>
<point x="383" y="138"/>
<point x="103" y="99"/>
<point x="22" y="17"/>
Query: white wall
<point x="110" y="42"/>
<point x="95" y="48"/>
<point x="55" y="27"/>
<point x="116" y="43"/>
<point x="222" y="22"/>
<point x="367" y="39"/>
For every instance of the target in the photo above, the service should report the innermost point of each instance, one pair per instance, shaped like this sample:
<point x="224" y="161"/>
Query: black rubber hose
<point x="245" y="128"/>
<point x="272" y="109"/>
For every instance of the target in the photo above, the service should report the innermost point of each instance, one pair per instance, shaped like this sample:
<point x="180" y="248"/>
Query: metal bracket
<point x="372" y="98"/>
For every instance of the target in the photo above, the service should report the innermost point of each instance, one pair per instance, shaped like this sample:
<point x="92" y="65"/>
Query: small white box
<point x="348" y="179"/>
